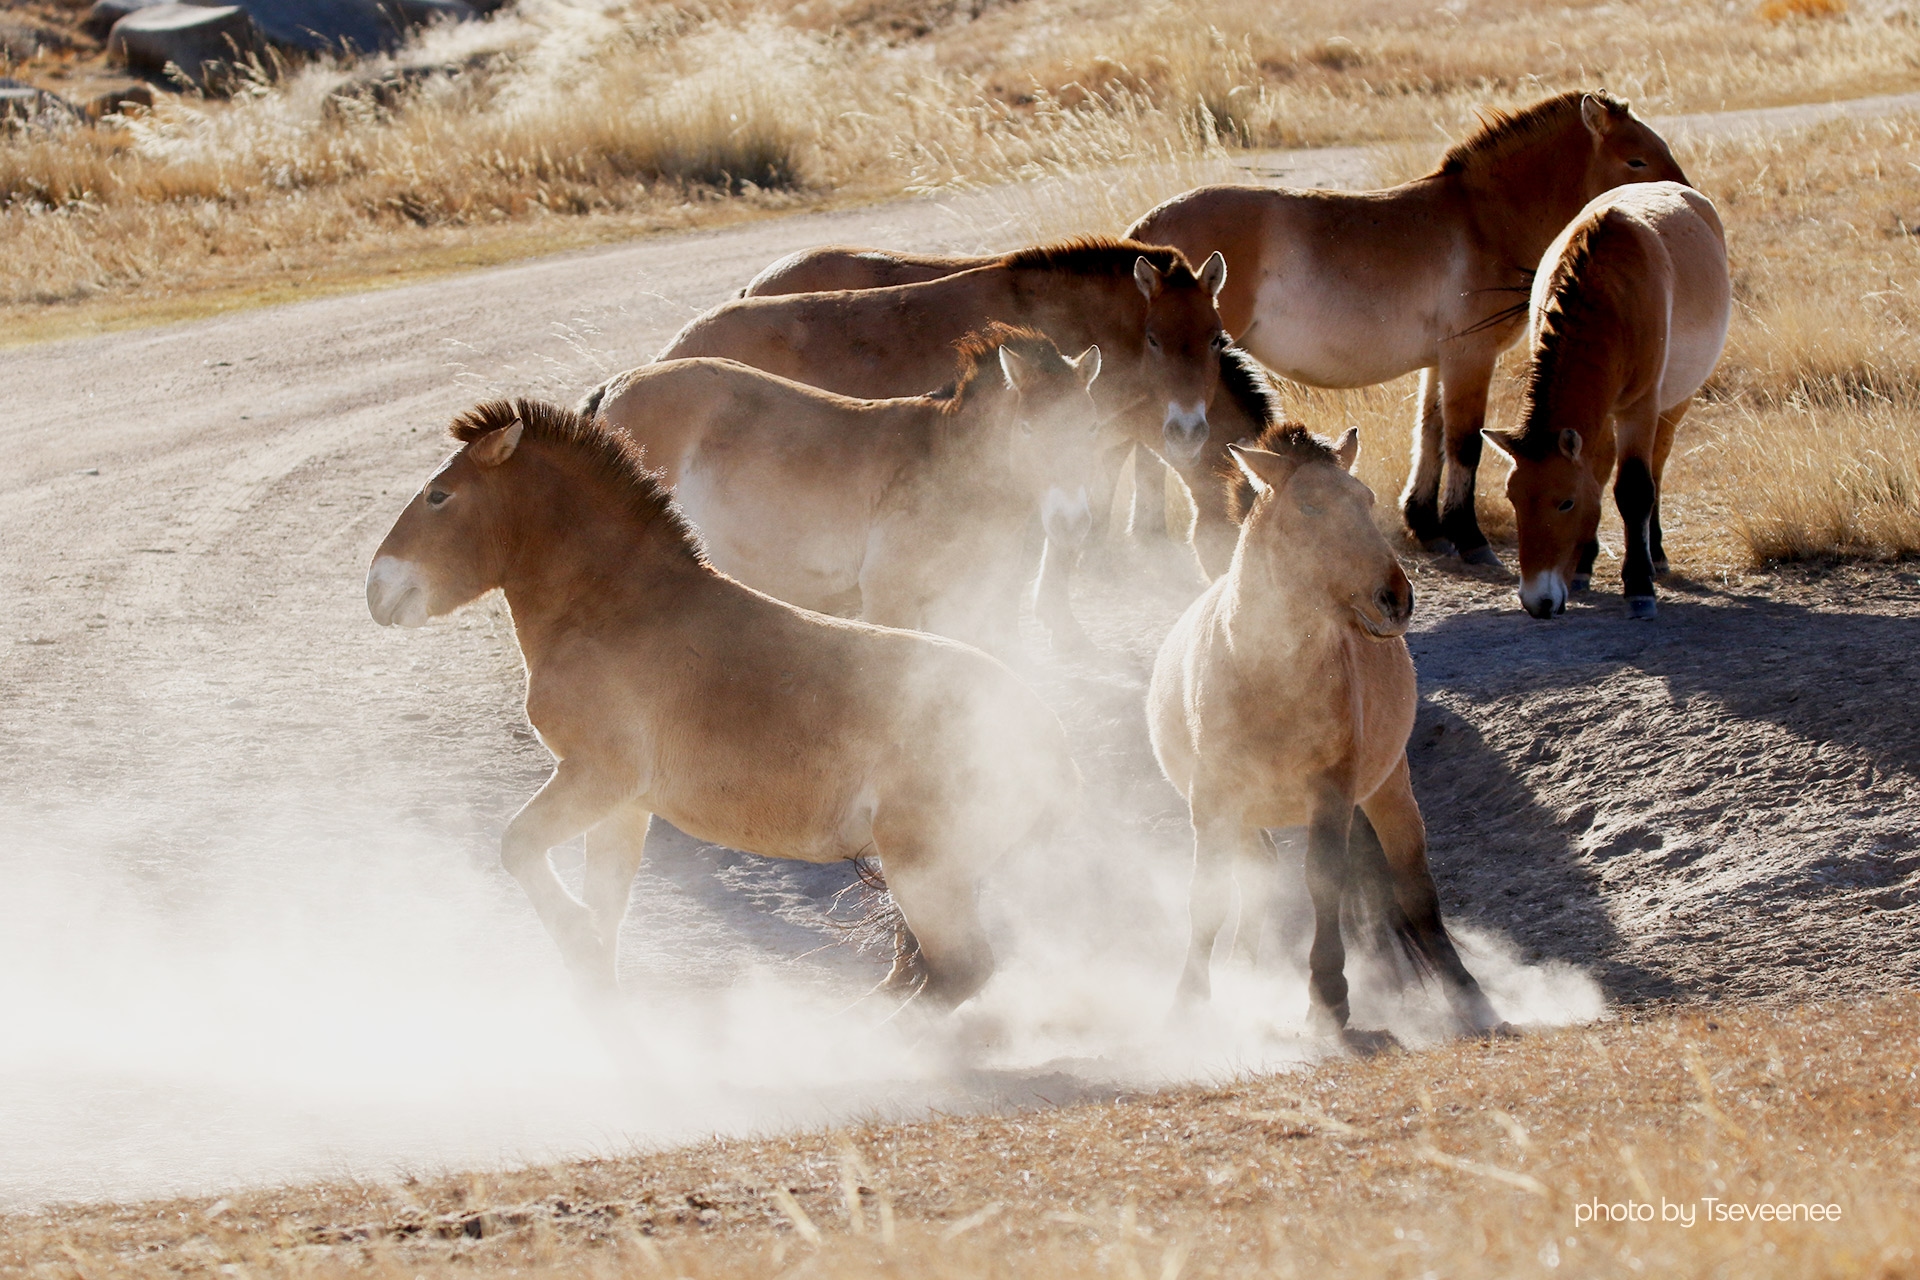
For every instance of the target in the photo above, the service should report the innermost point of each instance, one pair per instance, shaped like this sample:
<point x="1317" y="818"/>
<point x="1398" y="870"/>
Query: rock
<point x="201" y="41"/>
<point x="423" y="13"/>
<point x="121" y="101"/>
<point x="100" y="18"/>
<point x="23" y="105"/>
<point x="20" y="41"/>
<point x="340" y="27"/>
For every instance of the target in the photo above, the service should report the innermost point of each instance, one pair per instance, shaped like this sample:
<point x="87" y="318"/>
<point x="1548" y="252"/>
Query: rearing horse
<point x="1347" y="289"/>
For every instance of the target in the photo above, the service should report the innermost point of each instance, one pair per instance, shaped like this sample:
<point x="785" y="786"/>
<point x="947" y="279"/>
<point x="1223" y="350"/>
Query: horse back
<point x="886" y="342"/>
<point x="836" y="267"/>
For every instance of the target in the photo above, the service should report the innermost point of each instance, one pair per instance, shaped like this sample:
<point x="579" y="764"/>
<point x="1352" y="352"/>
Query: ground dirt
<point x="1720" y="803"/>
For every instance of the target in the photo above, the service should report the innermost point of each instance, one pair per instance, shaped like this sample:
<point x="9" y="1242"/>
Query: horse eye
<point x="437" y="496"/>
<point x="1565" y="506"/>
<point x="1636" y="164"/>
<point x="1221" y="341"/>
<point x="1153" y="342"/>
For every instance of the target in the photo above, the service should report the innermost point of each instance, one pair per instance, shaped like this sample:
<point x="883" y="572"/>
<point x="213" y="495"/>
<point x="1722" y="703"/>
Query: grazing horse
<point x="1284" y="697"/>
<point x="1245" y="410"/>
<point x="663" y="686"/>
<point x="1628" y="319"/>
<point x="904" y="513"/>
<point x="1146" y="308"/>
<point x="1346" y="289"/>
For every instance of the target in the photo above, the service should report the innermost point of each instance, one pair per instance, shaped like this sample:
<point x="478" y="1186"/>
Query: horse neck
<point x="1580" y="378"/>
<point x="577" y="553"/>
<point x="1077" y="309"/>
<point x="1521" y="199"/>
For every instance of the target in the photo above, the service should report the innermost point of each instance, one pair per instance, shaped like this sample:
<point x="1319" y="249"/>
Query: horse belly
<point x="1307" y="331"/>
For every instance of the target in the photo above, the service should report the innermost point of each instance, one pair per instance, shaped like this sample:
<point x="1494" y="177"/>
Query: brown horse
<point x="1345" y="289"/>
<point x="1284" y="697"/>
<point x="662" y="686"/>
<point x="1628" y="319"/>
<point x="905" y="513"/>
<point x="1150" y="313"/>
<point x="1243" y="407"/>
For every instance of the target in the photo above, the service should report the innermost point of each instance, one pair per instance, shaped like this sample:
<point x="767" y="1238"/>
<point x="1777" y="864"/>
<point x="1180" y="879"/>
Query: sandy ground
<point x="251" y="928"/>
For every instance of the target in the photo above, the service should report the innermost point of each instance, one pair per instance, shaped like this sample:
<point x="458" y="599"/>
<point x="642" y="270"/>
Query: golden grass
<point x="640" y="116"/>
<point x="1471" y="1159"/>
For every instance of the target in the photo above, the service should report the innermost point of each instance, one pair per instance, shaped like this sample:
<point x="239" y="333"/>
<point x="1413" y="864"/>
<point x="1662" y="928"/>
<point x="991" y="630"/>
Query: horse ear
<point x="1087" y="363"/>
<point x="1570" y="443"/>
<point x="1594" y="114"/>
<point x="1266" y="470"/>
<point x="1348" y="450"/>
<point x="1507" y="442"/>
<point x="1213" y="274"/>
<point x="495" y="447"/>
<point x="1147" y="276"/>
<point x="1015" y="369"/>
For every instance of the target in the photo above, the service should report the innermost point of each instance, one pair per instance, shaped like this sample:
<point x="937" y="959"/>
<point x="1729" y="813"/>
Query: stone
<point x="202" y="41"/>
<point x="100" y="18"/>
<point x="338" y="27"/>
<point x="22" y="104"/>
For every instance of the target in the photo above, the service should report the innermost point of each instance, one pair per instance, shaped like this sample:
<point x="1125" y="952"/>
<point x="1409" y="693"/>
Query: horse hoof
<point x="1369" y="1044"/>
<point x="1641" y="607"/>
<point x="1581" y="581"/>
<point x="1660" y="568"/>
<point x="1482" y="556"/>
<point x="1440" y="546"/>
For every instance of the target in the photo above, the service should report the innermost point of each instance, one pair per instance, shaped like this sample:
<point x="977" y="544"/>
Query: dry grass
<point x="637" y="118"/>
<point x="1468" y="1160"/>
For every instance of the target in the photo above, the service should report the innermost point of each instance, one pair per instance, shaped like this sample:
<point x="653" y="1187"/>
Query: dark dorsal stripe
<point x="610" y="456"/>
<point x="1501" y="132"/>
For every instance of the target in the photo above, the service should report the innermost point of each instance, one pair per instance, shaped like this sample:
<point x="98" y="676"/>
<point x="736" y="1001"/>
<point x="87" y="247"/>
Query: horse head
<point x="1312" y="528"/>
<point x="1623" y="148"/>
<point x="1055" y="431"/>
<point x="442" y="551"/>
<point x="1556" y="505"/>
<point x="1182" y="344"/>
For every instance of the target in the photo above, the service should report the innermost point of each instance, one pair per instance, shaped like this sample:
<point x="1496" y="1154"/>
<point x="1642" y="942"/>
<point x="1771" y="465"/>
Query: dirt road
<point x="250" y="924"/>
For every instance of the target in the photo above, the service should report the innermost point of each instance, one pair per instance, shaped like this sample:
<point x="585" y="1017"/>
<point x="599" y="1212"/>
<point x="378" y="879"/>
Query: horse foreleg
<point x="1219" y="840"/>
<point x="1327" y="829"/>
<point x="1635" y="493"/>
<point x="1394" y="818"/>
<point x="573" y="800"/>
<point x="1215" y="535"/>
<point x="1148" y="516"/>
<point x="615" y="848"/>
<point x="1257" y="875"/>
<point x="1420" y="500"/>
<point x="1662" y="446"/>
<point x="1463" y="411"/>
<point x="1600" y="465"/>
<point x="939" y="907"/>
<point x="1053" y="599"/>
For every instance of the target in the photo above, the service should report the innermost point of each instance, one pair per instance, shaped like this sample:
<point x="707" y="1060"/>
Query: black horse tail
<point x="1371" y="911"/>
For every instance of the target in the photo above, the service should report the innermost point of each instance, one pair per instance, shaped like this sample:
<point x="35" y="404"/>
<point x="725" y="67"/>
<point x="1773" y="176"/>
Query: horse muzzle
<point x="396" y="593"/>
<point x="1390" y="612"/>
<point x="1185" y="432"/>
<point x="1066" y="517"/>
<point x="1544" y="595"/>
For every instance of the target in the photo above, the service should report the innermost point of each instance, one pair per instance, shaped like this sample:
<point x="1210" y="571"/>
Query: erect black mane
<point x="1100" y="255"/>
<point x="1500" y="132"/>
<point x="1289" y="440"/>
<point x="610" y="455"/>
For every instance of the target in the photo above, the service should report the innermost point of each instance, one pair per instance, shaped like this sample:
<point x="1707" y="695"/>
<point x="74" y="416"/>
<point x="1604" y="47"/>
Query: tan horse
<point x="1629" y="316"/>
<point x="663" y="686"/>
<point x="905" y="513"/>
<point x="1243" y="407"/>
<point x="1150" y="313"/>
<point x="1346" y="289"/>
<point x="1284" y="697"/>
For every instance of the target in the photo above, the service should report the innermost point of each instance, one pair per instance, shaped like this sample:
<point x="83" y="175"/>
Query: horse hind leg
<point x="1662" y="447"/>
<point x="1394" y="827"/>
<point x="1420" y="500"/>
<point x="939" y="906"/>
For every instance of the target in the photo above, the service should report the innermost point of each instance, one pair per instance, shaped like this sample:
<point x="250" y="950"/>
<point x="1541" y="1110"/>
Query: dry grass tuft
<point x="574" y="122"/>
<point x="1786" y="10"/>
<point x="1473" y="1158"/>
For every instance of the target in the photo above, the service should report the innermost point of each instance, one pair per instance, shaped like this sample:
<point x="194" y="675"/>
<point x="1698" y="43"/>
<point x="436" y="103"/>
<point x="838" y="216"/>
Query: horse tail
<point x="589" y="405"/>
<point x="1370" y="906"/>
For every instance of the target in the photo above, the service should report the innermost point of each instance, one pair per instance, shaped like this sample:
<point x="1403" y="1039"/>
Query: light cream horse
<point x="906" y="513"/>
<point x="1283" y="697"/>
<point x="662" y="686"/>
<point x="1629" y="316"/>
<point x="1345" y="289"/>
